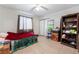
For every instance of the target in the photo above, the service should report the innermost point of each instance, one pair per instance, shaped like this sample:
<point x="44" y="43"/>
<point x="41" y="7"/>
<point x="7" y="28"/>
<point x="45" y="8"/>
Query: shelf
<point x="69" y="29"/>
<point x="70" y="21"/>
<point x="69" y="33"/>
<point x="67" y="39"/>
<point x="73" y="46"/>
<point x="66" y="42"/>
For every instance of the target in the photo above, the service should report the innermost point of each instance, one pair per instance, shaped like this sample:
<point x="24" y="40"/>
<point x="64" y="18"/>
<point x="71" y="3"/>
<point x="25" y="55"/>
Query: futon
<point x="21" y="40"/>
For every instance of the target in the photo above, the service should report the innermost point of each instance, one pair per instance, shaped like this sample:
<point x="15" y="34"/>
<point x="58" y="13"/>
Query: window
<point x="29" y="23"/>
<point x="25" y="24"/>
<point x="21" y="23"/>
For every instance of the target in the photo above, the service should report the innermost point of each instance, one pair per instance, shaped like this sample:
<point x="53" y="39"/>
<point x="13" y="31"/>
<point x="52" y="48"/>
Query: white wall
<point x="36" y="24"/>
<point x="9" y="18"/>
<point x="57" y="16"/>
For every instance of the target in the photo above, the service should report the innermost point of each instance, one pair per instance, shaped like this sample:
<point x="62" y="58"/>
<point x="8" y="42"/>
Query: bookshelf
<point x="69" y="30"/>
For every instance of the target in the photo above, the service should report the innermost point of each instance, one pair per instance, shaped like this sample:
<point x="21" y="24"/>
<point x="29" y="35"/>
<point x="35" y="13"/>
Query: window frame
<point x="18" y="26"/>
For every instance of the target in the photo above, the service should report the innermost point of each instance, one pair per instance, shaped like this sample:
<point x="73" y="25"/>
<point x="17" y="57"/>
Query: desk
<point x="55" y="36"/>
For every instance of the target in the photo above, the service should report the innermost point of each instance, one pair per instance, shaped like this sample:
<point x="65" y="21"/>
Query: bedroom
<point x="43" y="19"/>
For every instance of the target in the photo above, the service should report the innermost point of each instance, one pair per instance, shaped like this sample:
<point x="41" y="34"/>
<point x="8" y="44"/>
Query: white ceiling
<point x="52" y="8"/>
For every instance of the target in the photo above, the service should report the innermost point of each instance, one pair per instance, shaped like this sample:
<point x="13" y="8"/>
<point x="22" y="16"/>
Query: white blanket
<point x="2" y="40"/>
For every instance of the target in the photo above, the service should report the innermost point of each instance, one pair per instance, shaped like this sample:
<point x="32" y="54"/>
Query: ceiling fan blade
<point x="34" y="7"/>
<point x="44" y="7"/>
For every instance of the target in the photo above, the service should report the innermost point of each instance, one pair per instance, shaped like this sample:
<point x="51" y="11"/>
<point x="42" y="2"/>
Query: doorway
<point x="45" y="25"/>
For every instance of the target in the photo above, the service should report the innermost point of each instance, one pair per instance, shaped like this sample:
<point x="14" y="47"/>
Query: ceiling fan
<point x="37" y="7"/>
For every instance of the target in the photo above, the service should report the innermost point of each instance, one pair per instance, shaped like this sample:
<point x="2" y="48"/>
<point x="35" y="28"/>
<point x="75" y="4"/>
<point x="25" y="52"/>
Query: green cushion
<point x="24" y="42"/>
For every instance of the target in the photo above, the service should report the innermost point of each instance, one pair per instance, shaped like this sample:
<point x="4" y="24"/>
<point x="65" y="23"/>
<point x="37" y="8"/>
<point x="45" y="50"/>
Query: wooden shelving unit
<point x="70" y="30"/>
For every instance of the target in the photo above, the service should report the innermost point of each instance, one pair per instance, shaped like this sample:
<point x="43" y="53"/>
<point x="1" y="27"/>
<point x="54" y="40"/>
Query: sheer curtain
<point x="29" y="23"/>
<point x="21" y="23"/>
<point x="43" y="27"/>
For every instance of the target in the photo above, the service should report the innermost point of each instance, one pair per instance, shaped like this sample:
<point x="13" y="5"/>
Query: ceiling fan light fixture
<point x="38" y="8"/>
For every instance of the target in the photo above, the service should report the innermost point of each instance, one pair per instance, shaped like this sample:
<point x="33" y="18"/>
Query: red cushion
<point x="17" y="36"/>
<point x="11" y="36"/>
<point x="25" y="35"/>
